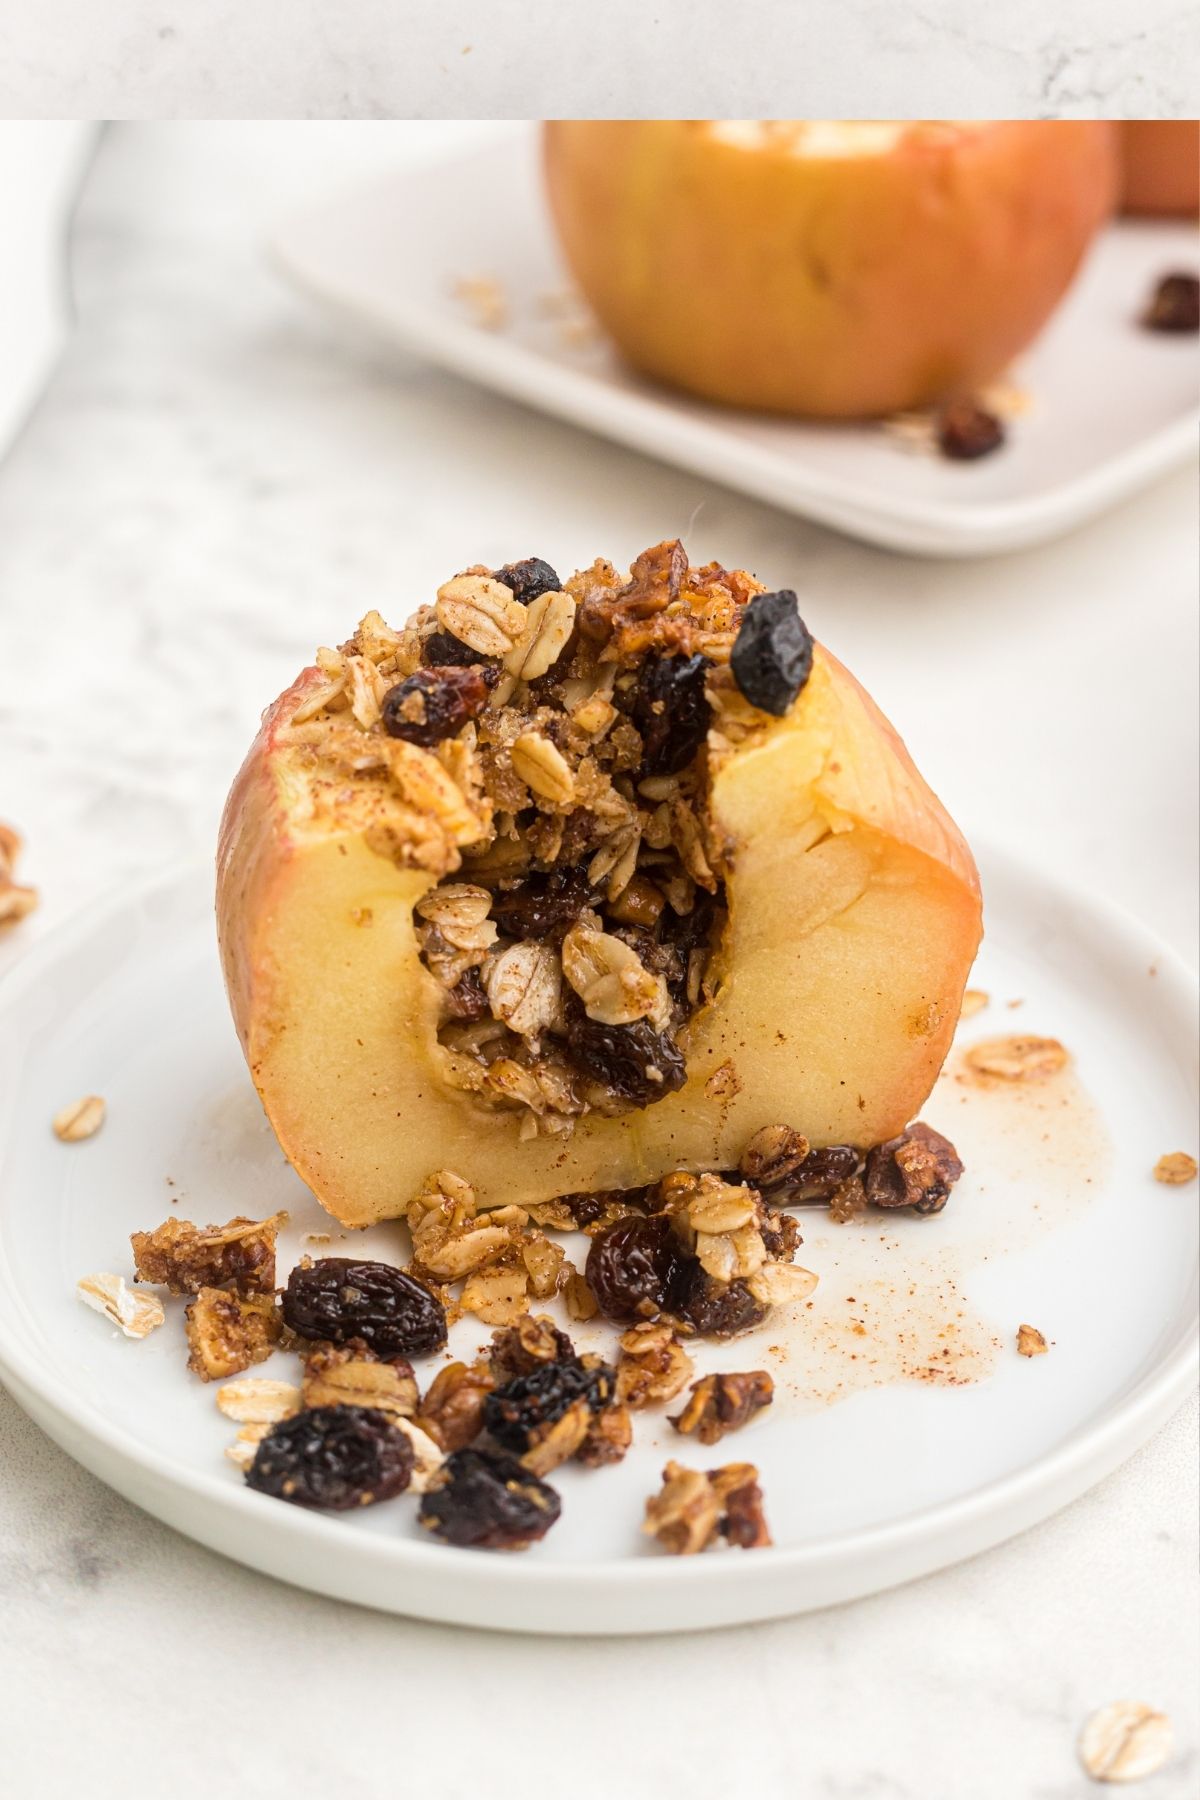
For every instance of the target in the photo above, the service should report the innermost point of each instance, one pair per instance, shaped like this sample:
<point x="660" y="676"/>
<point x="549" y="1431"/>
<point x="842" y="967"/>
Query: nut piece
<point x="723" y="1403"/>
<point x="542" y="766"/>
<point x="452" y="1411"/>
<point x="916" y="1169"/>
<point x="184" y="1259"/>
<point x="227" y="1333"/>
<point x="1176" y="1168"/>
<point x="773" y="1155"/>
<point x="136" y="1314"/>
<point x="653" y="1365"/>
<point x="1017" y="1058"/>
<point x="258" y="1400"/>
<point x="348" y="1375"/>
<point x="694" y="1509"/>
<point x="480" y="613"/>
<point x="1125" y="1741"/>
<point x="82" y="1119"/>
<point x="1030" y="1341"/>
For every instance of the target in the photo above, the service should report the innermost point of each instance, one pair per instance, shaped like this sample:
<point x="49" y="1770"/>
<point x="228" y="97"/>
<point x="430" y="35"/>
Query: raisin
<point x="1174" y="305"/>
<point x="966" y="430"/>
<point x="819" y="1176"/>
<point x="529" y="580"/>
<point x="483" y="1501"/>
<point x="339" y="1298"/>
<point x="717" y="1308"/>
<point x="543" y="904"/>
<point x="772" y="654"/>
<point x="916" y="1169"/>
<point x="441" y="648"/>
<point x="671" y="711"/>
<point x="661" y="959"/>
<point x="634" y="1062"/>
<point x="467" y="999"/>
<point x="429" y="706"/>
<point x="334" y="1456"/>
<point x="638" y="1268"/>
<point x="587" y="1208"/>
<point x="518" y="1414"/>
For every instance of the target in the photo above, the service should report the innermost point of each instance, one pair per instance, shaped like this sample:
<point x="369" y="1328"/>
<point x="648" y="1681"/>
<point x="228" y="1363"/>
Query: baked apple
<point x="1160" y="166"/>
<point x="827" y="267"/>
<point x="567" y="885"/>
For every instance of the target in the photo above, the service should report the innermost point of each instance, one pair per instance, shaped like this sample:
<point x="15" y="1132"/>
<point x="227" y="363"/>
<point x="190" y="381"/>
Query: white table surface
<point x="216" y="481"/>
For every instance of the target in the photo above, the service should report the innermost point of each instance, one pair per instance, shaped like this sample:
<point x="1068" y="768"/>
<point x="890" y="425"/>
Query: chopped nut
<point x="258" y="1400"/>
<point x="560" y="1441"/>
<point x="229" y="1332"/>
<point x="778" y="1282"/>
<point x="542" y="766"/>
<point x="452" y="1410"/>
<point x="653" y="1365"/>
<point x="737" y="1488"/>
<point x="1017" y="1058"/>
<point x="184" y="1258"/>
<point x="1125" y="1742"/>
<point x="348" y="1375"/>
<point x="82" y="1119"/>
<point x="916" y="1169"/>
<point x="481" y="613"/>
<point x="136" y="1314"/>
<point x="973" y="1001"/>
<point x="694" y="1508"/>
<point x="1176" y="1168"/>
<point x="608" y="1437"/>
<point x="1030" y="1341"/>
<point x="773" y="1156"/>
<point x="723" y="1403"/>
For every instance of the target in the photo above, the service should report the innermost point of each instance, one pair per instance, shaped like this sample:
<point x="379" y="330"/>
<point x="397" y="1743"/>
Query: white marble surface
<point x="215" y="481"/>
<point x="511" y="58"/>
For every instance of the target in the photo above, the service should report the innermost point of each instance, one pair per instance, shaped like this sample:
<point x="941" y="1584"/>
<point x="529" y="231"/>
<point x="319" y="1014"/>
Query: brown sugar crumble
<point x="184" y="1258"/>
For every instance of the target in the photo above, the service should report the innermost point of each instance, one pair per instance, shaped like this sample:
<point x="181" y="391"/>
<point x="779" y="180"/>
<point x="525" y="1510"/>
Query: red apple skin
<point x="834" y="286"/>
<point x="1160" y="167"/>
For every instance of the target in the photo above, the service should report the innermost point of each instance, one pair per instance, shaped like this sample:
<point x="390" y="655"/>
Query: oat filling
<point x="577" y="926"/>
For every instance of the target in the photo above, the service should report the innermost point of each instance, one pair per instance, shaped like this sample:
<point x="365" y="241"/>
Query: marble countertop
<point x="214" y="478"/>
<point x="514" y="58"/>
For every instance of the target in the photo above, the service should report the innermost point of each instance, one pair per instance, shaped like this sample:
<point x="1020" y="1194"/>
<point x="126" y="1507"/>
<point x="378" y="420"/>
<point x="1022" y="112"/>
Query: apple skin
<point x="847" y="966"/>
<point x="835" y="286"/>
<point x="1160" y="167"/>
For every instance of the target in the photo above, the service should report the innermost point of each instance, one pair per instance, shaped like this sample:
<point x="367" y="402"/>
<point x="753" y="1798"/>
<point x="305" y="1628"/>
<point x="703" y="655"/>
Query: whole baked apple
<point x="1160" y="166"/>
<point x="826" y="267"/>
<point x="567" y="885"/>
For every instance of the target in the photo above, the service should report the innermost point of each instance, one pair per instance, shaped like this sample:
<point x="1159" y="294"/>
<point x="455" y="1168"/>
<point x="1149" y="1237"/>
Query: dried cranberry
<point x="717" y="1308"/>
<point x="543" y="904"/>
<point x="334" y="1456"/>
<point x="671" y="711"/>
<point x="634" y="1062"/>
<point x="467" y="999"/>
<point x="434" y="704"/>
<point x="441" y="648"/>
<point x="1174" y="305"/>
<point x="484" y="1501"/>
<point x="966" y="430"/>
<point x="772" y="653"/>
<point x="638" y="1268"/>
<point x="916" y="1169"/>
<point x="528" y="580"/>
<point x="339" y="1298"/>
<point x="518" y="1413"/>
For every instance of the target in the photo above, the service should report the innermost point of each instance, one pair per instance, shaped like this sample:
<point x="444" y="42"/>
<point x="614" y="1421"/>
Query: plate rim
<point x="653" y="423"/>
<point x="1050" y="1481"/>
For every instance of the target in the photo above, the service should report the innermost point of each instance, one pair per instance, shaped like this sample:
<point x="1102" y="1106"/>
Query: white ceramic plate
<point x="866" y="1485"/>
<point x="1112" y="406"/>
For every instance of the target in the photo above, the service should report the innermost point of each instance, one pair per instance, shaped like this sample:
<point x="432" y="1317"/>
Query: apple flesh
<point x="826" y="267"/>
<point x="854" y="917"/>
<point x="1160" y="167"/>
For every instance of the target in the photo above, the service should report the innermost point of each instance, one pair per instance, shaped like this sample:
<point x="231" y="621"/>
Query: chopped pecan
<point x="916" y="1169"/>
<point x="693" y="1509"/>
<point x="722" y="1403"/>
<point x="452" y="1410"/>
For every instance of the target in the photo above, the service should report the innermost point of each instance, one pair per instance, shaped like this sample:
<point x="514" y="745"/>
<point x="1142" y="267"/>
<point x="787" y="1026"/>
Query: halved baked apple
<point x="567" y="885"/>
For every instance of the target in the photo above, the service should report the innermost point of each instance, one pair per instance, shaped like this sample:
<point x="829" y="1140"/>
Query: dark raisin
<point x="1174" y="305"/>
<point x="529" y="580"/>
<point x="819" y="1176"/>
<point x="638" y="1268"/>
<point x="334" y="1456"/>
<point x="543" y="904"/>
<point x="916" y="1169"/>
<point x="717" y="1308"/>
<point x="634" y="1062"/>
<point x="661" y="959"/>
<point x="587" y="1208"/>
<point x="966" y="430"/>
<point x="441" y="648"/>
<point x="671" y="711"/>
<point x="434" y="704"/>
<point x="517" y="1414"/>
<point x="484" y="1501"/>
<point x="339" y="1298"/>
<point x="772" y="653"/>
<point x="467" y="999"/>
<point x="530" y="1344"/>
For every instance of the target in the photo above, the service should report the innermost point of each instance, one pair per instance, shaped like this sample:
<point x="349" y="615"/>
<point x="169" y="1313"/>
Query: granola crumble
<point x="1031" y="1342"/>
<point x="722" y="1403"/>
<point x="694" y="1510"/>
<point x="184" y="1258"/>
<point x="228" y="1332"/>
